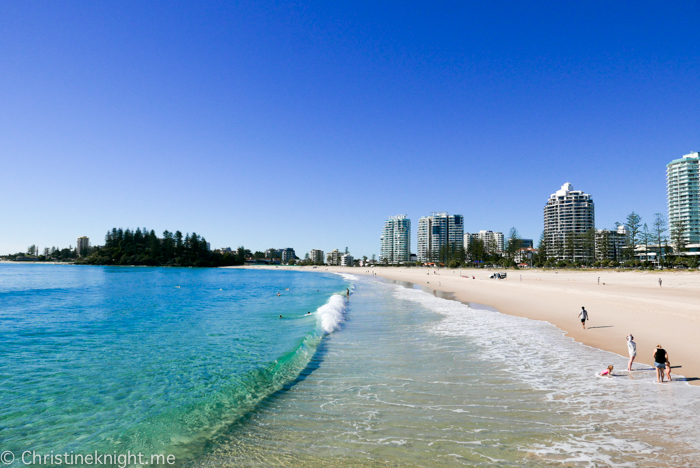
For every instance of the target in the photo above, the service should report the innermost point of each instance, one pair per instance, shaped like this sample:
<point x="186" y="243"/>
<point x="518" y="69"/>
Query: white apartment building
<point x="346" y="260"/>
<point x="396" y="240"/>
<point x="609" y="245"/>
<point x="316" y="256"/>
<point x="493" y="241"/>
<point x="683" y="184"/>
<point x="333" y="257"/>
<point x="567" y="212"/>
<point x="437" y="231"/>
<point x="82" y="245"/>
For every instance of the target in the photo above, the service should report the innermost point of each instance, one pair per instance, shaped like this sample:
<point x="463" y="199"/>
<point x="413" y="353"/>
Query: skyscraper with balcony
<point x="396" y="240"/>
<point x="568" y="215"/>
<point x="683" y="183"/>
<point x="437" y="233"/>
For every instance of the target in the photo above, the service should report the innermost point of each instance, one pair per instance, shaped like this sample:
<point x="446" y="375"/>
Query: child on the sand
<point x="607" y="371"/>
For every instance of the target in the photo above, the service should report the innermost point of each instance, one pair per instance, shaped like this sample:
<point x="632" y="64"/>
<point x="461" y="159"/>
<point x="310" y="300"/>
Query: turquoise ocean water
<point x="197" y="363"/>
<point x="156" y="360"/>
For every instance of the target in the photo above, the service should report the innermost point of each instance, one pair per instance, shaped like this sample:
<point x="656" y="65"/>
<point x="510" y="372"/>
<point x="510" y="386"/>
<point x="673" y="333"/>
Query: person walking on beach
<point x="660" y="282"/>
<point x="632" y="348"/>
<point x="583" y="316"/>
<point x="660" y="358"/>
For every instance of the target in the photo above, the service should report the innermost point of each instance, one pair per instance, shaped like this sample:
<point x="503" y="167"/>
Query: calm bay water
<point x="197" y="363"/>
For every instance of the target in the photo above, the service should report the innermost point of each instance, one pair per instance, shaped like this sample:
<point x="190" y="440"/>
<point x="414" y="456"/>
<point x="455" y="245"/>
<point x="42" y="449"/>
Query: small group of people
<point x="661" y="360"/>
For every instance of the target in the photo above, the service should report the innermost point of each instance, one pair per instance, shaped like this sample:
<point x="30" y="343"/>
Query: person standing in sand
<point x="632" y="348"/>
<point x="583" y="316"/>
<point x="660" y="282"/>
<point x="660" y="358"/>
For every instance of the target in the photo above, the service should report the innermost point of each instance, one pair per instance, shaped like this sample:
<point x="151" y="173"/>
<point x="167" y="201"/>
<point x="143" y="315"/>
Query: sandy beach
<point x="624" y="302"/>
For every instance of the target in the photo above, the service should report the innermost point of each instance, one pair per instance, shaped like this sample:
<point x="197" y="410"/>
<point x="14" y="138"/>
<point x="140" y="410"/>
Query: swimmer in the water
<point x="308" y="313"/>
<point x="280" y="316"/>
<point x="278" y="294"/>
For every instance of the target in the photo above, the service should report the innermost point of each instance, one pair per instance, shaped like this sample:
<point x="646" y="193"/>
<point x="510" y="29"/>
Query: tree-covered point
<point x="143" y="247"/>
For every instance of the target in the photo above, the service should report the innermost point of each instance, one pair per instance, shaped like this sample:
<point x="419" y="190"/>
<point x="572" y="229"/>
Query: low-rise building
<point x="525" y="255"/>
<point x="609" y="245"/>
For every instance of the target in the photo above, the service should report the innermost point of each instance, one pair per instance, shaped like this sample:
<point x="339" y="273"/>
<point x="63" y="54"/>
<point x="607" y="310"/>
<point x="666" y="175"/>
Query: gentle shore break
<point x="618" y="303"/>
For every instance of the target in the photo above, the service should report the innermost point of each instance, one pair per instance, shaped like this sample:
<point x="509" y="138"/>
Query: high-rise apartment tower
<point x="438" y="232"/>
<point x="396" y="240"/>
<point x="568" y="214"/>
<point x="82" y="246"/>
<point x="683" y="183"/>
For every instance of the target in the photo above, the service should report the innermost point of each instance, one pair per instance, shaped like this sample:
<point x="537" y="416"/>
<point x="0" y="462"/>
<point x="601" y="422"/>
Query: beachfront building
<point x="82" y="246"/>
<point x="568" y="215"/>
<point x="287" y="254"/>
<point x="333" y="257"/>
<point x="609" y="245"/>
<point x="396" y="240"/>
<point x="346" y="260"/>
<point x="438" y="234"/>
<point x="493" y="241"/>
<point x="316" y="256"/>
<point x="525" y="255"/>
<point x="683" y="184"/>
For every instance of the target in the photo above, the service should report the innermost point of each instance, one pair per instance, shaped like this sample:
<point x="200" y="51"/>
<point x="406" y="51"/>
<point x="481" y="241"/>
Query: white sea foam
<point x="332" y="313"/>
<point x="618" y="418"/>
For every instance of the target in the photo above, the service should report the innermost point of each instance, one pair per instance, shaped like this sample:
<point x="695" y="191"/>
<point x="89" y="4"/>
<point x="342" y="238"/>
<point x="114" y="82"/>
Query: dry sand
<point x="624" y="302"/>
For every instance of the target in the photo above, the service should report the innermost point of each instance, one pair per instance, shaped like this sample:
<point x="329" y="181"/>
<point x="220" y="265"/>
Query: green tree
<point x="514" y="243"/>
<point x="646" y="238"/>
<point x="633" y="226"/>
<point x="569" y="245"/>
<point x="476" y="252"/>
<point x="660" y="227"/>
<point x="678" y="231"/>
<point x="542" y="250"/>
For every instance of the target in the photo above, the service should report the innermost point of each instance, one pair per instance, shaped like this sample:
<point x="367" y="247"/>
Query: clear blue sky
<point x="306" y="124"/>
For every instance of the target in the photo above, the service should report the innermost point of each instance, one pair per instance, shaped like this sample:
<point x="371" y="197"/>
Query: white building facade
<point x="493" y="241"/>
<point x="683" y="185"/>
<point x="609" y="245"/>
<point x="568" y="213"/>
<point x="396" y="240"/>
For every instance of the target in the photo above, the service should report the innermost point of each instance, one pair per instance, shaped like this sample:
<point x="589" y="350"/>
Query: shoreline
<point x="624" y="302"/>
